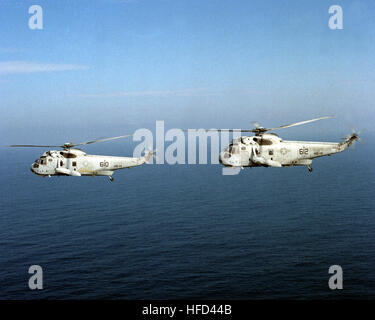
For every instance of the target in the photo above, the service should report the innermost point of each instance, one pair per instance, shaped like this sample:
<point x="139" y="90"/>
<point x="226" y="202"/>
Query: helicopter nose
<point x="223" y="158"/>
<point x="229" y="159"/>
<point x="32" y="168"/>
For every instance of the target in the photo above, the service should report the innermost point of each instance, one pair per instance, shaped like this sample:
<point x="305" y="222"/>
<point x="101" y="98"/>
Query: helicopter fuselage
<point x="269" y="150"/>
<point x="75" y="162"/>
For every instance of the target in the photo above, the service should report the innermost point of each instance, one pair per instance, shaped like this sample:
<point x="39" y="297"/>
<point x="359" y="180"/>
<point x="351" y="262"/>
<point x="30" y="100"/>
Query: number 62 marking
<point x="303" y="151"/>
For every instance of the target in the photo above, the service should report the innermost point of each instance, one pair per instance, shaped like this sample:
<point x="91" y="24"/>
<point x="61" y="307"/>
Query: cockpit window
<point x="43" y="160"/>
<point x="235" y="150"/>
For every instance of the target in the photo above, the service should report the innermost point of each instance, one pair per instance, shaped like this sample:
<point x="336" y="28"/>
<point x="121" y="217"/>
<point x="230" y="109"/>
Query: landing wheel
<point x="111" y="178"/>
<point x="310" y="169"/>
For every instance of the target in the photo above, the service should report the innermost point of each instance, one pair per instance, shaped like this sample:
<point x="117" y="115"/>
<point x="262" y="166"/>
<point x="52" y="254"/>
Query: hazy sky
<point x="106" y="67"/>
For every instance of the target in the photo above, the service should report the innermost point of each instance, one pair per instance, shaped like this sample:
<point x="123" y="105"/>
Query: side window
<point x="270" y="152"/>
<point x="61" y="163"/>
<point x="265" y="142"/>
<point x="74" y="163"/>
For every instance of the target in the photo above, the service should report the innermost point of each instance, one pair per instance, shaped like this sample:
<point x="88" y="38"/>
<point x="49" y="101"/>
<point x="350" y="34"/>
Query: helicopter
<point x="266" y="149"/>
<point x="71" y="161"/>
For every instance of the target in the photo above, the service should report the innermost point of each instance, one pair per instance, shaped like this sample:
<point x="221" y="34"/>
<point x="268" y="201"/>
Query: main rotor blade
<point x="260" y="130"/>
<point x="68" y="144"/>
<point x="100" y="140"/>
<point x="226" y="130"/>
<point x="31" y="146"/>
<point x="231" y="130"/>
<point x="299" y="123"/>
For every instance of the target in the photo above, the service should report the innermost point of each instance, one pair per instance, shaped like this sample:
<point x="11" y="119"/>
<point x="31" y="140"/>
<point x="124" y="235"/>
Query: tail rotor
<point x="351" y="138"/>
<point x="149" y="153"/>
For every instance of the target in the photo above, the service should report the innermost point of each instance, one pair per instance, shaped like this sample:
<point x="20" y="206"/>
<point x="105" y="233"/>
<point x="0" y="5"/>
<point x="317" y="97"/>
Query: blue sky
<point x="107" y="67"/>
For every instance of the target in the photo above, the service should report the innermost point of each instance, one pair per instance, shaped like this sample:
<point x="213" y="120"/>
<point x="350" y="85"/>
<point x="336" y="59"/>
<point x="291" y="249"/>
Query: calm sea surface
<point x="187" y="231"/>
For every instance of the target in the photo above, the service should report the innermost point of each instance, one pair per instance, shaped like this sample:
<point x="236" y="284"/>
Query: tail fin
<point x="350" y="139"/>
<point x="149" y="155"/>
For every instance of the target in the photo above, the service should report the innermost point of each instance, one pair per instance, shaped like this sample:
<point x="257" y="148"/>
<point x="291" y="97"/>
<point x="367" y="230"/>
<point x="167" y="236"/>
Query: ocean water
<point x="188" y="232"/>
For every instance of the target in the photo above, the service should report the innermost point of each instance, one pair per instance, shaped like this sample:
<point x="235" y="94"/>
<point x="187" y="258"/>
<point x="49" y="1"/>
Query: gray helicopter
<point x="71" y="161"/>
<point x="266" y="149"/>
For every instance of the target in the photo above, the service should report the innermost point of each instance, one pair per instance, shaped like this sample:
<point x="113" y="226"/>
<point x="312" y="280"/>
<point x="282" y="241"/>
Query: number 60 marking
<point x="104" y="164"/>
